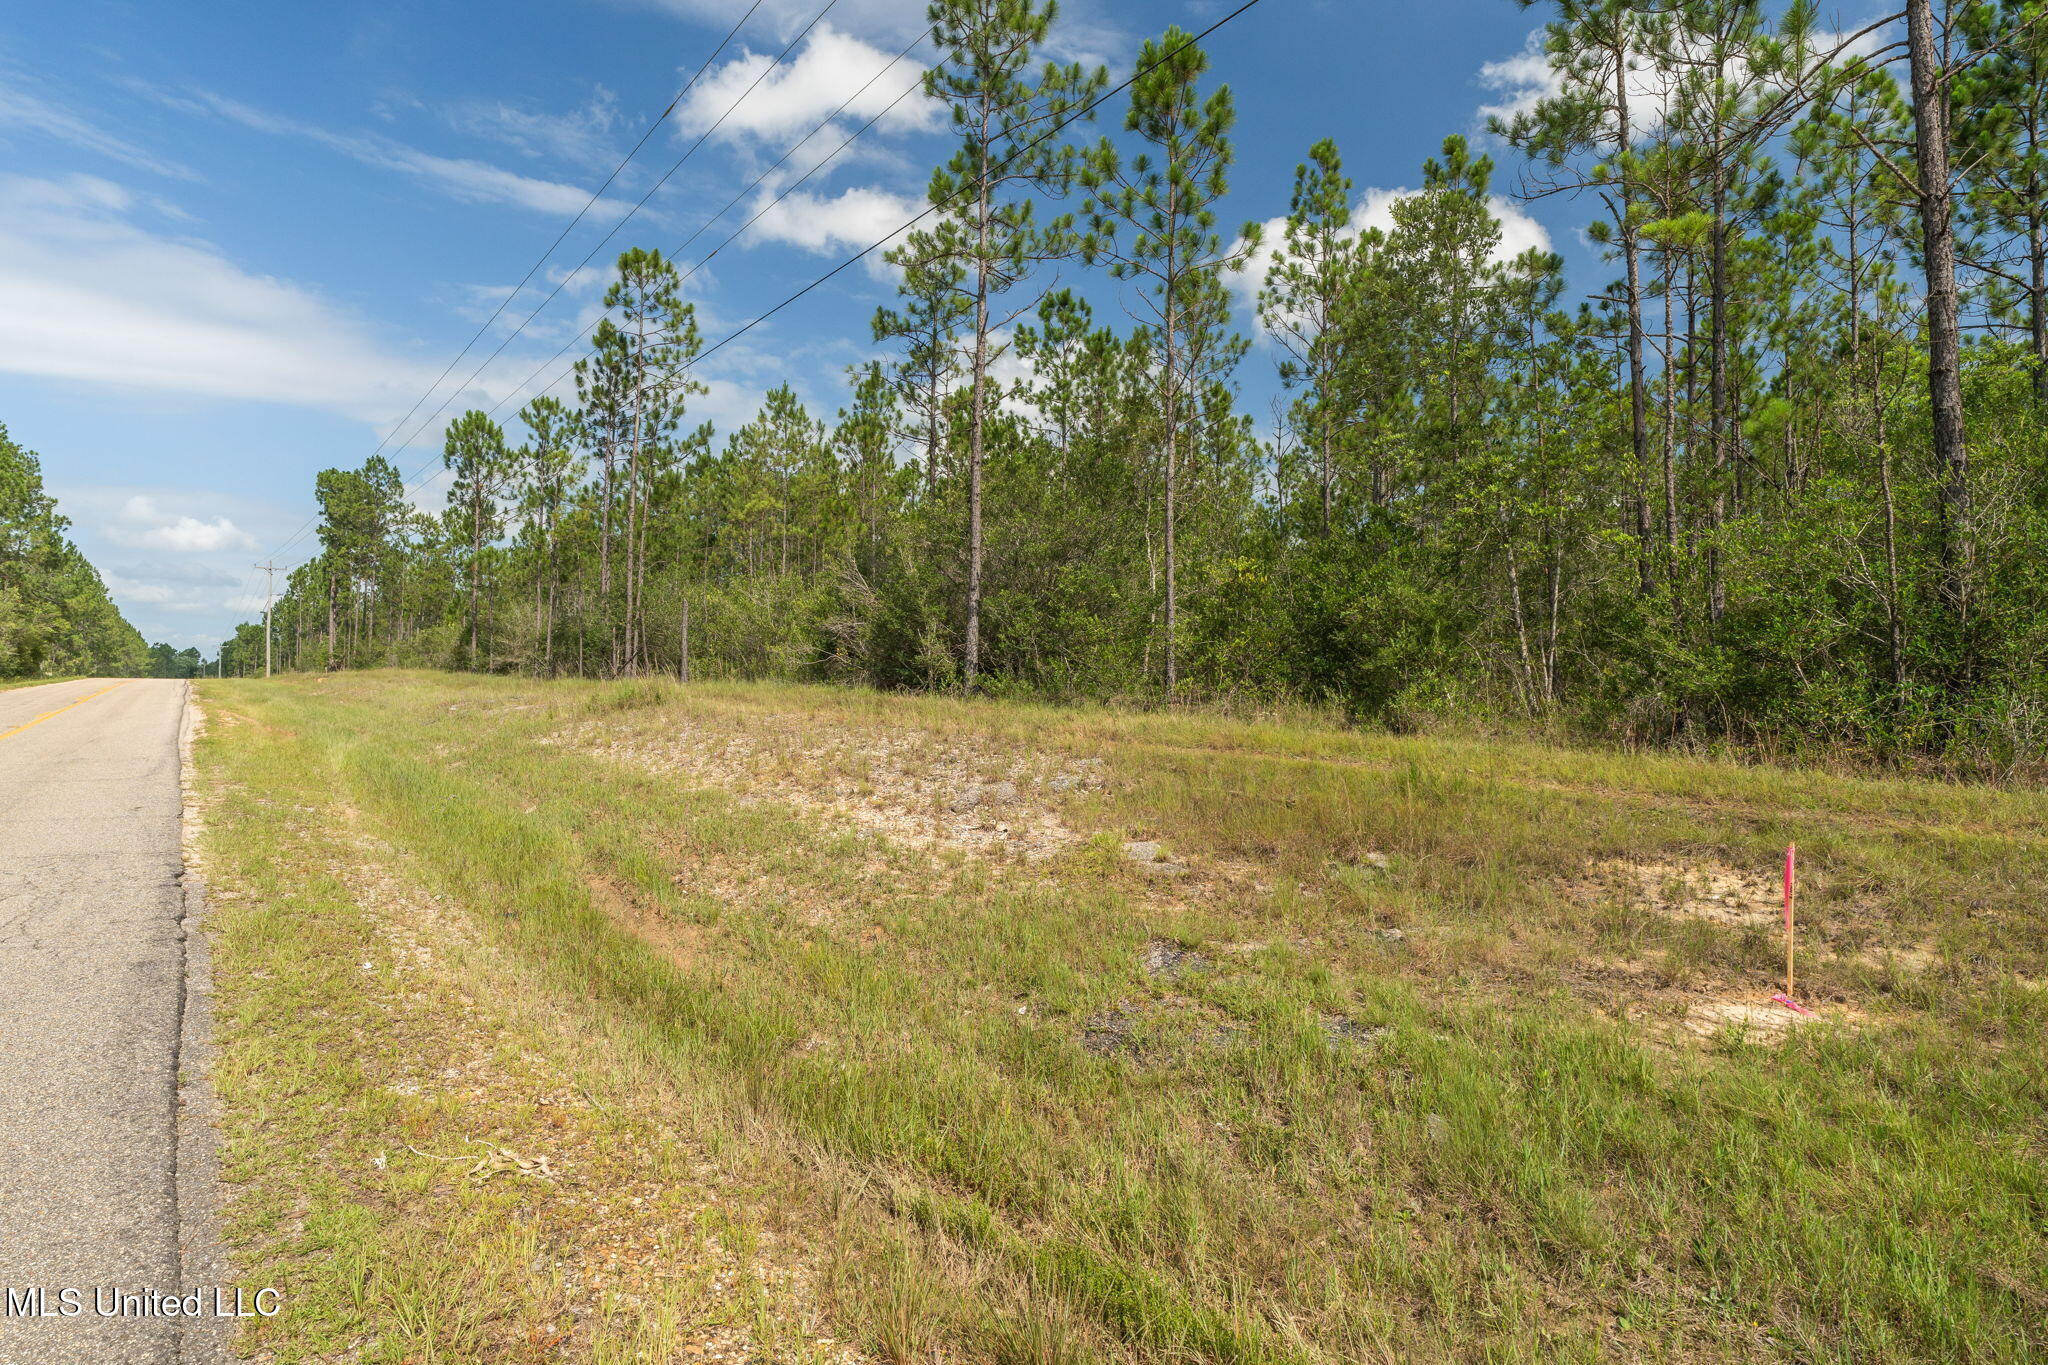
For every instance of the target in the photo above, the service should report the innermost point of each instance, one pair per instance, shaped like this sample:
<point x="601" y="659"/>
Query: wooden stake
<point x="685" y="669"/>
<point x="1791" y="856"/>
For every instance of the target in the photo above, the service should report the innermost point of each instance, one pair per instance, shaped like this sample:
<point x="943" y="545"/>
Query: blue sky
<point x="238" y="240"/>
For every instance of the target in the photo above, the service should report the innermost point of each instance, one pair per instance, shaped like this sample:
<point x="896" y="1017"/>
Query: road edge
<point x="202" y="1258"/>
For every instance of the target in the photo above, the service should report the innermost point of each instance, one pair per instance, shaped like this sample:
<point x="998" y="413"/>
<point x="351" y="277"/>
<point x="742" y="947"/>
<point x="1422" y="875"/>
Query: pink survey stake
<point x="1784" y="997"/>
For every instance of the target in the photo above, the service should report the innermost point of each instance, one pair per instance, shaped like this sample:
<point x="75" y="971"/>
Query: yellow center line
<point x="59" y="711"/>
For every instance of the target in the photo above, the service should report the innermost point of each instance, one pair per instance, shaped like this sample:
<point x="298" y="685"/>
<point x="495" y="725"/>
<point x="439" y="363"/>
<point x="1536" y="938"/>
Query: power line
<point x="671" y="375"/>
<point x="560" y="237"/>
<point x="1072" y="116"/>
<point x="420" y="478"/>
<point x="872" y="247"/>
<point x="592" y="253"/>
<point x="754" y="184"/>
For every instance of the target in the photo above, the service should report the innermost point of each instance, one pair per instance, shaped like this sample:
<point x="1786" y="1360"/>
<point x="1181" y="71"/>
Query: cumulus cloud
<point x="1522" y="81"/>
<point x="851" y="219"/>
<point x="176" y="560"/>
<point x="1518" y="231"/>
<point x="1526" y="79"/>
<point x="831" y="69"/>
<point x="1085" y="32"/>
<point x="144" y="525"/>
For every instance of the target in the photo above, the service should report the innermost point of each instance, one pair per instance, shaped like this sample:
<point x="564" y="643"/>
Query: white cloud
<point x="851" y="219"/>
<point x="1016" y="373"/>
<point x="1523" y="80"/>
<point x="186" y="574"/>
<point x="581" y="136"/>
<point x="461" y="178"/>
<point x="1518" y="231"/>
<point x="727" y="404"/>
<point x="22" y="108"/>
<point x="1084" y="33"/>
<point x="584" y="279"/>
<point x="189" y="534"/>
<point x="832" y="69"/>
<point x="142" y="524"/>
<point x="473" y="182"/>
<point x="93" y="297"/>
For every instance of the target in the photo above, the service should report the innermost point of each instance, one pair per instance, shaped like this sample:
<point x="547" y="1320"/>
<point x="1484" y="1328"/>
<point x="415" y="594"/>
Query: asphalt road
<point x="93" y="1020"/>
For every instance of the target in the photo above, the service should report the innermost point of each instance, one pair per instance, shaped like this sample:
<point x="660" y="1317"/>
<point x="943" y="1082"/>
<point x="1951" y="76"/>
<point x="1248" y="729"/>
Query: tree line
<point x="1782" y="479"/>
<point x="56" y="619"/>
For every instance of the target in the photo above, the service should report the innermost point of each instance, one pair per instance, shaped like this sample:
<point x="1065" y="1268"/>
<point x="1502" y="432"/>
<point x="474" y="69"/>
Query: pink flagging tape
<point x="1789" y="1003"/>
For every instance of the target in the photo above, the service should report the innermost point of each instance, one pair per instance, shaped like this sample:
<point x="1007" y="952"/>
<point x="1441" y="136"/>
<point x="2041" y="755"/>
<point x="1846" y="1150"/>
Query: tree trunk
<point x="1944" y="337"/>
<point x="1528" y="683"/>
<point x="1172" y="482"/>
<point x="1327" y="479"/>
<point x="1631" y="253"/>
<point x="1895" y="624"/>
<point x="1671" y="449"/>
<point x="2037" y="311"/>
<point x="1554" y="626"/>
<point x="633" y="499"/>
<point x="1717" y="391"/>
<point x="971" y="662"/>
<point x="476" y="556"/>
<point x="604" y="555"/>
<point x="931" y="440"/>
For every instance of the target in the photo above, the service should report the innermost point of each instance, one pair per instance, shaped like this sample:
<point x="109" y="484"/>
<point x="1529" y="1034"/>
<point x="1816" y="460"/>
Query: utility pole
<point x="269" y="596"/>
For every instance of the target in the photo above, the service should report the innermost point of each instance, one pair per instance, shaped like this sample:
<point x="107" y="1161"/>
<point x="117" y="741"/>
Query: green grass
<point x="1483" y="1140"/>
<point x="7" y="684"/>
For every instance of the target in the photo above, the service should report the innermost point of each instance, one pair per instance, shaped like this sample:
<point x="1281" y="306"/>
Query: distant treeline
<point x="166" y="662"/>
<point x="1782" y="479"/>
<point x="56" y="619"/>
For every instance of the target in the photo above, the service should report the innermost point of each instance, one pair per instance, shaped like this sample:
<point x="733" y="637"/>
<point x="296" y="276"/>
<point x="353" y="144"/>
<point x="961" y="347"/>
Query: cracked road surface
<point x="92" y="1003"/>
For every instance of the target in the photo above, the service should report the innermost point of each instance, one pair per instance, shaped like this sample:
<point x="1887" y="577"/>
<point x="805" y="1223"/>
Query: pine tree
<point x="547" y="469"/>
<point x="1005" y="121"/>
<point x="1165" y="198"/>
<point x="2001" y="128"/>
<point x="656" y="339"/>
<point x="1598" y="50"/>
<point x="474" y="453"/>
<point x="1301" y="306"/>
<point x="928" y="328"/>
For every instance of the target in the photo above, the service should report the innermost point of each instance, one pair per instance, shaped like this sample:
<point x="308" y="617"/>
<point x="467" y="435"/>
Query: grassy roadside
<point x="1393" y="1049"/>
<point x="423" y="1161"/>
